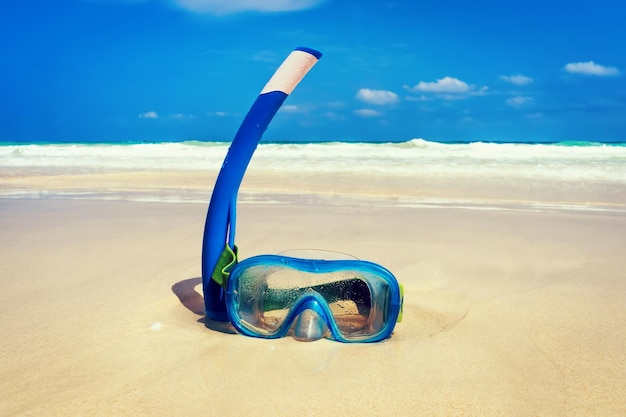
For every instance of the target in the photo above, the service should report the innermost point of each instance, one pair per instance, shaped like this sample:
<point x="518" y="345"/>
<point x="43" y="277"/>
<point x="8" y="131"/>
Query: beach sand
<point x="514" y="302"/>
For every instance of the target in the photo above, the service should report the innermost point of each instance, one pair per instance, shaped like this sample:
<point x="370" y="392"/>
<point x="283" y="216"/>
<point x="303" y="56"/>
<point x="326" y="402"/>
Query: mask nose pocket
<point x="309" y="326"/>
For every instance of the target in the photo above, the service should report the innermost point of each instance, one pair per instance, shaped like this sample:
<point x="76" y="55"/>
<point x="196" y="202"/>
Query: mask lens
<point x="266" y="293"/>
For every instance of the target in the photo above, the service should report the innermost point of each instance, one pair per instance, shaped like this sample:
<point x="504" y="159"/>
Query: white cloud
<point x="367" y="113"/>
<point x="333" y="116"/>
<point x="290" y="108"/>
<point x="423" y="97"/>
<point x="519" y="101"/>
<point x="517" y="79"/>
<point x="447" y="88"/>
<point x="116" y="1"/>
<point x="264" y="56"/>
<point x="443" y="85"/>
<point x="480" y="92"/>
<point x="376" y="96"/>
<point x="236" y="6"/>
<point x="149" y="115"/>
<point x="590" y="68"/>
<point x="222" y="7"/>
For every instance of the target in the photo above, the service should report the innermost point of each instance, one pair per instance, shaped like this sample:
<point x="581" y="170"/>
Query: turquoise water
<point x="301" y="142"/>
<point x="567" y="161"/>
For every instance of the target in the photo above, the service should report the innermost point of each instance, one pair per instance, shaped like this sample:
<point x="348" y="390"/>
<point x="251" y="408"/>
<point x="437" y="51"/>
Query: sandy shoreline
<point x="507" y="312"/>
<point x="325" y="188"/>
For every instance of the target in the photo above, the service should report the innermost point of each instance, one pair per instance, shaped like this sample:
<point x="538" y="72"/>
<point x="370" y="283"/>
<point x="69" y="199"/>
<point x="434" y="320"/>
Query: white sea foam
<point x="148" y="156"/>
<point x="413" y="158"/>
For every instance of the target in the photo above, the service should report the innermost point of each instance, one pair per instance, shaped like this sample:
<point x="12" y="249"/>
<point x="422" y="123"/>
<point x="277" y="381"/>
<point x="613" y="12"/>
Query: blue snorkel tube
<point x="219" y="229"/>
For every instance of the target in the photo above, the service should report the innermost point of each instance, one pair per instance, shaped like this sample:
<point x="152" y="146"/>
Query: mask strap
<point x="401" y="303"/>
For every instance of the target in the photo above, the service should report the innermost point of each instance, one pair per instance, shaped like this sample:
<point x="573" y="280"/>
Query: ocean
<point x="563" y="161"/>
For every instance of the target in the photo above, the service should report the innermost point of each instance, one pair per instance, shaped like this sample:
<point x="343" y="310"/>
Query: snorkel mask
<point x="271" y="296"/>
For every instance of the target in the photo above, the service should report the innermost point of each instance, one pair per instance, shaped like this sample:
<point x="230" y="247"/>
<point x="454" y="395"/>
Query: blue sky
<point x="127" y="70"/>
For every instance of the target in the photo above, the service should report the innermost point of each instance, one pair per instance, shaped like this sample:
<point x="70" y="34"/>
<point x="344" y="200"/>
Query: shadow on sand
<point x="186" y="292"/>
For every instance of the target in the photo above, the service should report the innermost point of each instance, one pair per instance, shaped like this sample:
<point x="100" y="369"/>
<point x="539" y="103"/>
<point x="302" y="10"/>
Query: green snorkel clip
<point x="225" y="263"/>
